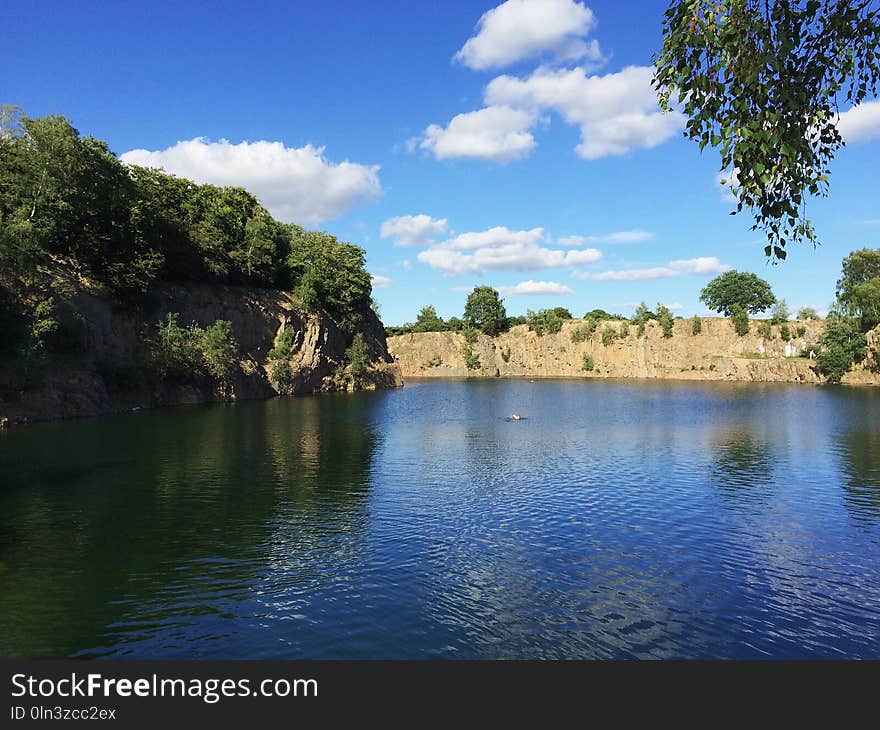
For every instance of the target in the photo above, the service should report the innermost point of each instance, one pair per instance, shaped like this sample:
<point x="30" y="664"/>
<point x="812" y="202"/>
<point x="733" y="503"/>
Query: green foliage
<point x="784" y="332"/>
<point x="842" y="344"/>
<point x="779" y="313"/>
<point x="545" y="321"/>
<point x="765" y="329"/>
<point x="640" y="330"/>
<point x="514" y="321"/>
<point x="434" y="362"/>
<point x="737" y="288"/>
<point x="357" y="357"/>
<point x="193" y="352"/>
<point x="588" y="363"/>
<point x="470" y="335"/>
<point x="471" y="360"/>
<point x="609" y="334"/>
<point x="485" y="311"/>
<point x="761" y="80"/>
<point x="218" y="348"/>
<point x="600" y="315"/>
<point x="455" y="324"/>
<point x="505" y="354"/>
<point x="696" y="325"/>
<point x="583" y="332"/>
<point x="562" y="312"/>
<point x="801" y="330"/>
<point x="623" y="332"/>
<point x="858" y="289"/>
<point x="664" y="317"/>
<point x="429" y="321"/>
<point x="807" y="313"/>
<point x="285" y="345"/>
<point x="740" y="318"/>
<point x="43" y="324"/>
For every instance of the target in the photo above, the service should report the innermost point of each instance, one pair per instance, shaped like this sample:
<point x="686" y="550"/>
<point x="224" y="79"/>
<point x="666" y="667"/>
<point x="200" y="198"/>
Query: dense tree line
<point x="67" y="203"/>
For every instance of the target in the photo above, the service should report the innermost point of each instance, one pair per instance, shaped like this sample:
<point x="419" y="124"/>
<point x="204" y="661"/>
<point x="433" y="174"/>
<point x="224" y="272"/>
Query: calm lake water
<point x="619" y="519"/>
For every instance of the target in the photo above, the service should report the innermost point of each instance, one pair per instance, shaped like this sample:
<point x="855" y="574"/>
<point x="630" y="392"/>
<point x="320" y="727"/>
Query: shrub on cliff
<point x="544" y="321"/>
<point x="609" y="334"/>
<point x="471" y="360"/>
<point x="807" y="313"/>
<point x="588" y="363"/>
<point x="696" y="325"/>
<point x="664" y="317"/>
<point x="841" y="345"/>
<point x="779" y="313"/>
<point x="357" y="357"/>
<point x="193" y="352"/>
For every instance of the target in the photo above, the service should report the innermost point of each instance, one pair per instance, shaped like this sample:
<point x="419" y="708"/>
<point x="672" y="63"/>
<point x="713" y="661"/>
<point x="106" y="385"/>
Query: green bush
<point x="434" y="362"/>
<point x="765" y="329"/>
<point x="470" y="335"/>
<point x="784" y="332"/>
<point x="807" y="313"/>
<point x="608" y="335"/>
<point x="281" y="376"/>
<point x="545" y="321"/>
<point x="779" y="313"/>
<point x="664" y="317"/>
<point x="740" y="318"/>
<point x="357" y="357"/>
<point x="623" y="332"/>
<point x="193" y="352"/>
<point x="471" y="360"/>
<point x="505" y="354"/>
<point x="696" y="325"/>
<point x="588" y="363"/>
<point x="842" y="344"/>
<point x="801" y="330"/>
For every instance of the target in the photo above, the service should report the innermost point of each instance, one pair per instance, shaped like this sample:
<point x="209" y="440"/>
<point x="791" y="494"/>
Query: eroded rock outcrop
<point x="108" y="374"/>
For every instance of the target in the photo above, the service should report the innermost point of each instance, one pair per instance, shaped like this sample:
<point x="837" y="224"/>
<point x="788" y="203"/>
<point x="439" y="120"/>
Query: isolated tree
<point x="485" y="311"/>
<point x="731" y="288"/>
<point x="761" y="81"/>
<point x="858" y="289"/>
<point x="429" y="321"/>
<point x="780" y="312"/>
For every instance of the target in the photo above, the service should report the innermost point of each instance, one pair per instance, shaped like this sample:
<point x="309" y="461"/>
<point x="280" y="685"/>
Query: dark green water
<point x="617" y="520"/>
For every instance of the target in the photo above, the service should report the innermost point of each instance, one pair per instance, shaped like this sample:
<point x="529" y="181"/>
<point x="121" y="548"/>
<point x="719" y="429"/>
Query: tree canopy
<point x="762" y="81"/>
<point x="734" y="288"/>
<point x="67" y="201"/>
<point x="485" y="310"/>
<point x="858" y="289"/>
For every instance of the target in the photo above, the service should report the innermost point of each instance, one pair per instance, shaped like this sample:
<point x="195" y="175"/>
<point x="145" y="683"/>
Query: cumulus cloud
<point x="535" y="288"/>
<point x="860" y="123"/>
<point x="413" y="230"/>
<point x="701" y="266"/>
<point x="500" y="249"/>
<point x="495" y="133"/>
<point x="380" y="282"/>
<point x="616" y="112"/>
<point x="296" y="184"/>
<point x="520" y="29"/>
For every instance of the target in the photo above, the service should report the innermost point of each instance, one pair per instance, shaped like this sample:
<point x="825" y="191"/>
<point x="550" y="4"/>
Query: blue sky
<point x="515" y="145"/>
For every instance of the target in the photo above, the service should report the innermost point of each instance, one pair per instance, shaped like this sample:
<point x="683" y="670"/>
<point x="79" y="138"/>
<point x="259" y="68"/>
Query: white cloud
<point x="728" y="182"/>
<point x="406" y="264"/>
<point x="675" y="307"/>
<point x="701" y="266"/>
<point x="296" y="184"/>
<point x="616" y="113"/>
<point x="380" y="282"/>
<point x="633" y="236"/>
<point x="500" y="249"/>
<point x="413" y="230"/>
<point x="860" y="123"/>
<point x="494" y="134"/>
<point x="520" y="29"/>
<point x="530" y="288"/>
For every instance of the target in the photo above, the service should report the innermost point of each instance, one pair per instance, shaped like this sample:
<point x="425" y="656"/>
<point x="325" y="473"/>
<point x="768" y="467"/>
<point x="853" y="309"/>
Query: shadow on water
<point x="857" y="447"/>
<point x="741" y="466"/>
<point x="119" y="525"/>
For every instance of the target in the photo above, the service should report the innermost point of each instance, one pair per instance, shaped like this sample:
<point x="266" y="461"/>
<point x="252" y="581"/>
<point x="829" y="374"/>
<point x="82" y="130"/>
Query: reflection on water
<point x="615" y="520"/>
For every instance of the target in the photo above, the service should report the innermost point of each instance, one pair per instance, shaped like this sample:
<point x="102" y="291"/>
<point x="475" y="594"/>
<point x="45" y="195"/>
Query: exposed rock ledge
<point x="717" y="353"/>
<point x="100" y="378"/>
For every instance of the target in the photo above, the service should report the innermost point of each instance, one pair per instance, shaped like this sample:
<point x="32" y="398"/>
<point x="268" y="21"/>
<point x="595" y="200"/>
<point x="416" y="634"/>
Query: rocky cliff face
<point x="108" y="372"/>
<point x="717" y="353"/>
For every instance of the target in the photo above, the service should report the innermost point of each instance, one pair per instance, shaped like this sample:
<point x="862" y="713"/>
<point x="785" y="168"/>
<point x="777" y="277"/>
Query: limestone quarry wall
<point x="717" y="353"/>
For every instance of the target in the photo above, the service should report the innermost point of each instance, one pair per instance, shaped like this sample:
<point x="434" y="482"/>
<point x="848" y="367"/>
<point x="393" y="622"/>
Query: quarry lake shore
<point x="716" y="353"/>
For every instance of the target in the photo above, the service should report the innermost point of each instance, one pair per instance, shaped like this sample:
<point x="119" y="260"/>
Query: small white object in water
<point x="516" y="417"/>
